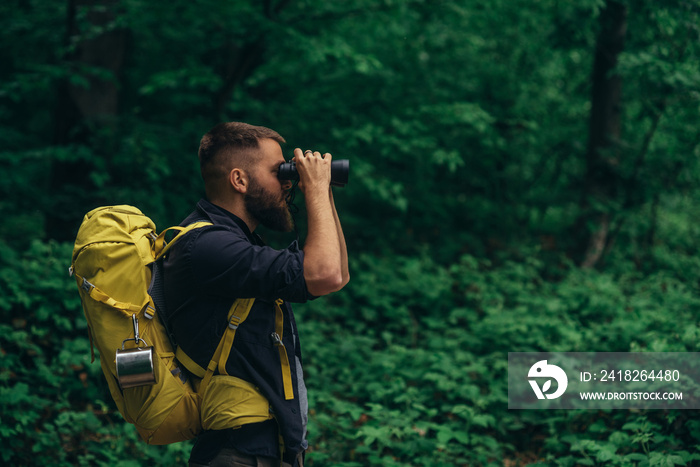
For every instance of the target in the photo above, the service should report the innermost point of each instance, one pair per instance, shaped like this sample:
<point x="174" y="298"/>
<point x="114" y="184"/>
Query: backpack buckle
<point x="86" y="286"/>
<point x="234" y="325"/>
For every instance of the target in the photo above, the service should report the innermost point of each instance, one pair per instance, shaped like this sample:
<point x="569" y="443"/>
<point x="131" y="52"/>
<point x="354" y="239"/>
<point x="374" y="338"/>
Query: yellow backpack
<point x="113" y="258"/>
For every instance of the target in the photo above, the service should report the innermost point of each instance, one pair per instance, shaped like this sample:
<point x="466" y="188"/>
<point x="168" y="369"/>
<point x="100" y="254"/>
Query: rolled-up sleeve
<point x="225" y="263"/>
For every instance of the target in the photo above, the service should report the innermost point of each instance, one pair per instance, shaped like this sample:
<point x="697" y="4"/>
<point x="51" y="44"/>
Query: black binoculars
<point x="339" y="172"/>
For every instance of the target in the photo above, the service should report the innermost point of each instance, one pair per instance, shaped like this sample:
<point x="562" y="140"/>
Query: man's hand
<point x="314" y="170"/>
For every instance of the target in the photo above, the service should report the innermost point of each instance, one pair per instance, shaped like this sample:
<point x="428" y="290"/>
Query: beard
<point x="268" y="209"/>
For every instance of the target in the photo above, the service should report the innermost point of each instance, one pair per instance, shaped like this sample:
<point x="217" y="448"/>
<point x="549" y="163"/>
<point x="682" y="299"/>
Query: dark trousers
<point x="231" y="458"/>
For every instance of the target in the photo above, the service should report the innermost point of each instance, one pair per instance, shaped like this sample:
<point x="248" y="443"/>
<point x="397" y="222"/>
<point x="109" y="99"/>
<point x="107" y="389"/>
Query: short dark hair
<point x="227" y="146"/>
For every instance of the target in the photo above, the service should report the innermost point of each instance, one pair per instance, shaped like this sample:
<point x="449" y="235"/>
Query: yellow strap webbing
<point x="237" y="314"/>
<point x="96" y="294"/>
<point x="284" y="360"/>
<point x="190" y="364"/>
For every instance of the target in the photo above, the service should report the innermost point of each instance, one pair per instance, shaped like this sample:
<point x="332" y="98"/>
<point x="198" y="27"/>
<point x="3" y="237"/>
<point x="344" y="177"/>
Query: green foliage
<point x="466" y="124"/>
<point x="409" y="365"/>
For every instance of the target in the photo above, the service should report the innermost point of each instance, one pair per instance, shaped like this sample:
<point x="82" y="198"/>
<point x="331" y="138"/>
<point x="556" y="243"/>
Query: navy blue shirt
<point x="203" y="274"/>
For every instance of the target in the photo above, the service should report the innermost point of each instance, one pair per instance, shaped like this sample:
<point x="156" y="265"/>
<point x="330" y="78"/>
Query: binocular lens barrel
<point x="340" y="170"/>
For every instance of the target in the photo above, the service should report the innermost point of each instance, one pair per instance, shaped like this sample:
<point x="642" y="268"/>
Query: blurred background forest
<point x="524" y="177"/>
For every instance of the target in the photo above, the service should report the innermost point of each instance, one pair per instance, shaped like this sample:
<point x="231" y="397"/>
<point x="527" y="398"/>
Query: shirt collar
<point x="220" y="216"/>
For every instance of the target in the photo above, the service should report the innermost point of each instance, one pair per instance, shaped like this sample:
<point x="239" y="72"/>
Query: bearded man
<point x="211" y="267"/>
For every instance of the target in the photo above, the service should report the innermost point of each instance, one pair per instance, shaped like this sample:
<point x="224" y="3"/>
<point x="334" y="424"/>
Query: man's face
<point x="266" y="196"/>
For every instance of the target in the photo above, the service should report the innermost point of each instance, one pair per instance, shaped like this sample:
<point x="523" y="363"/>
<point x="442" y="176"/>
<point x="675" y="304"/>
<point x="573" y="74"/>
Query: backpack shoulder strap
<point x="160" y="246"/>
<point x="237" y="314"/>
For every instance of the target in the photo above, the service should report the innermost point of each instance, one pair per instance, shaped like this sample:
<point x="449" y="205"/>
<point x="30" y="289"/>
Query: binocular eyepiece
<point x="339" y="172"/>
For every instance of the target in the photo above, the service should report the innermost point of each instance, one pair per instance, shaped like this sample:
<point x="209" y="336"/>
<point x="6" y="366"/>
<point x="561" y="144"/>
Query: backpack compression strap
<point x="96" y="294"/>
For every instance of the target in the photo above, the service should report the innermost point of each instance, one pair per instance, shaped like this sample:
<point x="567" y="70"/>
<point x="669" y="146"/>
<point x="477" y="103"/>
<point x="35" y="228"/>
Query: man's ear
<point x="238" y="179"/>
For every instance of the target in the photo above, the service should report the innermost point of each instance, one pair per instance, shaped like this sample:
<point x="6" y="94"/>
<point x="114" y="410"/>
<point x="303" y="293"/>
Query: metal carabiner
<point x="136" y="338"/>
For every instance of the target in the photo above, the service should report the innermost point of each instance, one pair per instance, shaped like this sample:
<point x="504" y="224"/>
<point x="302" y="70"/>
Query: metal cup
<point x="135" y="366"/>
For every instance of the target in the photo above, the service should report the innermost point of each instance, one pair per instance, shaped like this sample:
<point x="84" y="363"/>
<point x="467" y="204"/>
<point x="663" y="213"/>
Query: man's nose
<point x="286" y="184"/>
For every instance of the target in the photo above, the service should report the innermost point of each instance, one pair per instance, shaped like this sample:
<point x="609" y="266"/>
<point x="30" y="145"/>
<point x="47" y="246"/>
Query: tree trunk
<point x="602" y="181"/>
<point x="81" y="109"/>
<point x="241" y="62"/>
